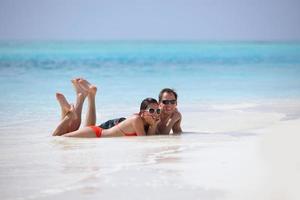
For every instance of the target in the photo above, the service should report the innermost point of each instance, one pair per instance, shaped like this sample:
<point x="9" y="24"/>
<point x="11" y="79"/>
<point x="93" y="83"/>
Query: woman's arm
<point x="138" y="126"/>
<point x="153" y="128"/>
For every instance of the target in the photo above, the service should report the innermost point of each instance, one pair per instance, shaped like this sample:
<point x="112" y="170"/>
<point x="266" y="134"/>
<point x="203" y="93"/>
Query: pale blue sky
<point x="150" y="19"/>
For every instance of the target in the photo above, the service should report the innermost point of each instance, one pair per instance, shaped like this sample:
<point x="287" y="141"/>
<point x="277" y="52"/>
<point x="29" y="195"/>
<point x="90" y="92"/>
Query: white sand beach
<point x="229" y="151"/>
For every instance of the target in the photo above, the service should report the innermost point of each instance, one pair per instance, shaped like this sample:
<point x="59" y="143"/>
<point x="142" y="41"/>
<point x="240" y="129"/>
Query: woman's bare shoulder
<point x="135" y="118"/>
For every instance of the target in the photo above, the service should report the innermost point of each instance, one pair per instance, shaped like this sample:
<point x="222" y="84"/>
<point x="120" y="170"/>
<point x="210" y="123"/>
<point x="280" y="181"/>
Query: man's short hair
<point x="167" y="90"/>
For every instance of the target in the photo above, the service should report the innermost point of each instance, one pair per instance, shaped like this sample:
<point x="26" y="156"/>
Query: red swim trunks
<point x="97" y="130"/>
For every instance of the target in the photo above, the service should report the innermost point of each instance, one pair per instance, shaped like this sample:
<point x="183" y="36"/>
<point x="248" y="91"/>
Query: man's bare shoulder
<point x="177" y="115"/>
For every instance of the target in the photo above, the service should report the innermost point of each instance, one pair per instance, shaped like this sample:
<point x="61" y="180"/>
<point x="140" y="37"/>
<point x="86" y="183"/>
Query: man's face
<point x="168" y="103"/>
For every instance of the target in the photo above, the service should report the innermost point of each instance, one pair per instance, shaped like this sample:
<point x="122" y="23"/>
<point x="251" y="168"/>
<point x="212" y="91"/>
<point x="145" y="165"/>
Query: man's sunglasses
<point x="152" y="110"/>
<point x="166" y="102"/>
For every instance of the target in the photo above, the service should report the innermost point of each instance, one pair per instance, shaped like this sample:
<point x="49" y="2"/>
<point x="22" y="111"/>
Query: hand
<point x="176" y="116"/>
<point x="157" y="121"/>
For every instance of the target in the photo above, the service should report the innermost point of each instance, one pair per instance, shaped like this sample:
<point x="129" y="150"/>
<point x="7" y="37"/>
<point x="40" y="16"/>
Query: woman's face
<point x="151" y="113"/>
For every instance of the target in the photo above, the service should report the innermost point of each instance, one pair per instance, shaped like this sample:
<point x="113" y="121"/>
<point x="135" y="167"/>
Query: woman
<point x="142" y="123"/>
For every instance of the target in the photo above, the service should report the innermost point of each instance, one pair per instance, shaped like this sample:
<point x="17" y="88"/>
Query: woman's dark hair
<point x="145" y="103"/>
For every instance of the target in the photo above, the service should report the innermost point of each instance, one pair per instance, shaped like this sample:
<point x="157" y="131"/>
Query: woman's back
<point x="128" y="127"/>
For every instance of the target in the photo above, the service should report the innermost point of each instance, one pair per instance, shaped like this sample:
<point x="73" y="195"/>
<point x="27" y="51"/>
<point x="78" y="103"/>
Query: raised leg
<point x="65" y="124"/>
<point x="91" y="112"/>
<point x="81" y="94"/>
<point x="64" y="105"/>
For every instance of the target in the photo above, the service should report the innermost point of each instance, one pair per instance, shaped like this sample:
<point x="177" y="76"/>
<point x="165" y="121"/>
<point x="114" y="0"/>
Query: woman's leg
<point x="63" y="128"/>
<point x="91" y="112"/>
<point x="81" y="94"/>
<point x="85" y="132"/>
<point x="64" y="105"/>
<point x="65" y="124"/>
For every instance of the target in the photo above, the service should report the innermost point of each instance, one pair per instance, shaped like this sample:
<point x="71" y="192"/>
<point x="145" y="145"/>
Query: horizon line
<point x="153" y="40"/>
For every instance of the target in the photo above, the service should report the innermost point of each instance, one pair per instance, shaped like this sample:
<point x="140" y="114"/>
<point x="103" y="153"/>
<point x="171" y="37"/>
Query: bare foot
<point x="92" y="89"/>
<point x="78" y="88"/>
<point x="64" y="105"/>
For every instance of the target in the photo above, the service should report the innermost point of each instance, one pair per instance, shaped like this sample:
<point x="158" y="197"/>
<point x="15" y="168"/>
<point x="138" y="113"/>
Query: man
<point x="170" y="118"/>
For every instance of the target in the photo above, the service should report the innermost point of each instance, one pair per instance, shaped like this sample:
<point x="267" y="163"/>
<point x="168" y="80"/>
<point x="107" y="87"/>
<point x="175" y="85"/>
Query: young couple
<point x="153" y="118"/>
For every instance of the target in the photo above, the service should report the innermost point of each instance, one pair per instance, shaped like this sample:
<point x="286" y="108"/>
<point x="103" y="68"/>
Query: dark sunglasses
<point x="166" y="102"/>
<point x="152" y="110"/>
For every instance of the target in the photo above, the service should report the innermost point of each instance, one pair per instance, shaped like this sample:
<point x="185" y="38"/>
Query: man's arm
<point x="164" y="128"/>
<point x="177" y="125"/>
<point x="173" y="123"/>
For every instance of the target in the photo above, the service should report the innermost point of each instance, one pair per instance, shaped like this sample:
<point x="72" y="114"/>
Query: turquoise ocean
<point x="127" y="72"/>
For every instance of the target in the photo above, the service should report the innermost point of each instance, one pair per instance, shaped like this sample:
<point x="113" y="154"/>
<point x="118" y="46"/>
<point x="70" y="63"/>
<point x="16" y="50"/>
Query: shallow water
<point x="191" y="165"/>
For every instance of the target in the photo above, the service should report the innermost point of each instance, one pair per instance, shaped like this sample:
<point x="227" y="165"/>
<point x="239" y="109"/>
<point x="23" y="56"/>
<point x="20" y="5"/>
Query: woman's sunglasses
<point x="152" y="110"/>
<point x="166" y="102"/>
